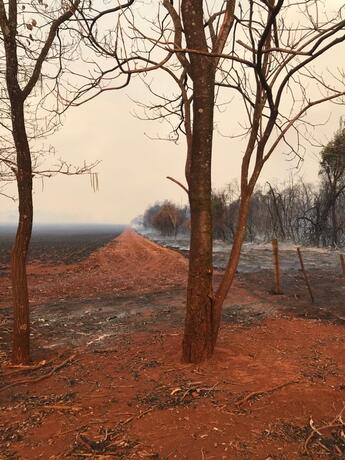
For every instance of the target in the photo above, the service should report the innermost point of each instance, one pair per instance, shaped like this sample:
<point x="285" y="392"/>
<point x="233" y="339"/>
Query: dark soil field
<point x="60" y="245"/>
<point x="107" y="382"/>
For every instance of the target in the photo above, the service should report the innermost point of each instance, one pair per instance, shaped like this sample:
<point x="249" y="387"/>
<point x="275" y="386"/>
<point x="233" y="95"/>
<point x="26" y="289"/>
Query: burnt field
<point x="257" y="257"/>
<point x="60" y="244"/>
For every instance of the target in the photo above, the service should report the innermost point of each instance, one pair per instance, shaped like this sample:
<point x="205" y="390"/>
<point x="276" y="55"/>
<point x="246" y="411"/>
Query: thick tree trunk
<point x="233" y="262"/>
<point x="197" y="341"/>
<point x="21" y="328"/>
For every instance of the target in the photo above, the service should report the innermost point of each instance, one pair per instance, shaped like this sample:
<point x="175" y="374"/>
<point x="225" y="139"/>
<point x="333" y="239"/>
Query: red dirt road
<point x="130" y="264"/>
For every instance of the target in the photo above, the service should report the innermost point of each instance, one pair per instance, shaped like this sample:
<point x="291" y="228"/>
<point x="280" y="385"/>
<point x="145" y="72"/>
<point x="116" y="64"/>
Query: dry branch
<point x="62" y="407"/>
<point x="337" y="422"/>
<point x="25" y="368"/>
<point x="40" y="378"/>
<point x="255" y="394"/>
<point x="179" y="184"/>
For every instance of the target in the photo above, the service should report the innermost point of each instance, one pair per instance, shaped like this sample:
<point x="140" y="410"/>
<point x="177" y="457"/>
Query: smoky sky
<point x="133" y="167"/>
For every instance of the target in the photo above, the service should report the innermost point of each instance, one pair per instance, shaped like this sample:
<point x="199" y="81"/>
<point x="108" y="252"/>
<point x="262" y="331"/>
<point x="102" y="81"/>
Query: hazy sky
<point x="133" y="167"/>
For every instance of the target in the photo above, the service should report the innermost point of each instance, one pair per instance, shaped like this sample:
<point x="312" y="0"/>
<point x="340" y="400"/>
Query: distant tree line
<point x="167" y="218"/>
<point x="294" y="211"/>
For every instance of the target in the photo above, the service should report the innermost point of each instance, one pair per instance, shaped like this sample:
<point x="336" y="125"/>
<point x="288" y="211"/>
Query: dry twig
<point x="337" y="422"/>
<point x="63" y="407"/>
<point x="40" y="378"/>
<point x="18" y="368"/>
<point x="255" y="394"/>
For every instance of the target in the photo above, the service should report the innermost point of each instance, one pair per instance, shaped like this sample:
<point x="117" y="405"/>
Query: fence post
<point x="276" y="267"/>
<point x="305" y="275"/>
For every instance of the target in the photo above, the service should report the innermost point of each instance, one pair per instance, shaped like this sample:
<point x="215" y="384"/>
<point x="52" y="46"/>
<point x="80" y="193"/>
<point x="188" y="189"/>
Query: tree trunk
<point x="21" y="328"/>
<point x="334" y="228"/>
<point x="233" y="262"/>
<point x="197" y="340"/>
<point x="334" y="217"/>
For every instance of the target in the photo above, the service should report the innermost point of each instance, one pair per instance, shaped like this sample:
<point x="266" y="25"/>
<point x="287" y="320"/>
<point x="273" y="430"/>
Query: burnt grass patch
<point x="243" y="315"/>
<point x="184" y="394"/>
<point x="287" y="432"/>
<point x="104" y="445"/>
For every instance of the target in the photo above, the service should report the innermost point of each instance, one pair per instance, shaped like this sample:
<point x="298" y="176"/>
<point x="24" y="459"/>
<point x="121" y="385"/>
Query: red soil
<point x="127" y="265"/>
<point x="128" y="396"/>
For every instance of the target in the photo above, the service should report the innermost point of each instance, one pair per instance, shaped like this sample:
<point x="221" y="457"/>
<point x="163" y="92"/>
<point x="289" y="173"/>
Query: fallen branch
<point x="105" y="350"/>
<point x="255" y="394"/>
<point x="24" y="368"/>
<point x="145" y="412"/>
<point x="337" y="422"/>
<point x="62" y="407"/>
<point x="128" y="420"/>
<point x="198" y="390"/>
<point x="81" y="427"/>
<point x="40" y="378"/>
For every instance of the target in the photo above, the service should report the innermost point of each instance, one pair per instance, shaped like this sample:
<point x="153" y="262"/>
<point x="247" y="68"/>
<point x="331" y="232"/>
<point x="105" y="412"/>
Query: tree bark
<point x="21" y="327"/>
<point x="197" y="341"/>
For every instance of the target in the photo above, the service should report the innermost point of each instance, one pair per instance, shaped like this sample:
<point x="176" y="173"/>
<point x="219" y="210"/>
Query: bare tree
<point x="263" y="52"/>
<point x="280" y="56"/>
<point x="34" y="43"/>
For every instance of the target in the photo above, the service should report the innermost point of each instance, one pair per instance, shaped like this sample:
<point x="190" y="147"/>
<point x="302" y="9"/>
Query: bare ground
<point x="109" y="382"/>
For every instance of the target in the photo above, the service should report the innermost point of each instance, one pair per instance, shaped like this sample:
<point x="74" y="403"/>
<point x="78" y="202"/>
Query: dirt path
<point x="129" y="265"/>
